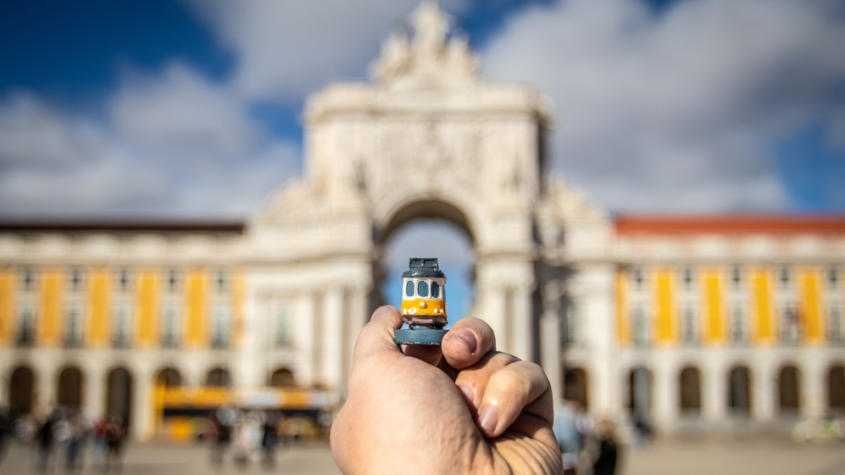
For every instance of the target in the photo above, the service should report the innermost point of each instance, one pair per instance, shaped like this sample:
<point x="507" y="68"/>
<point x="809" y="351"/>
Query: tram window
<point x="435" y="290"/>
<point x="422" y="289"/>
<point x="409" y="288"/>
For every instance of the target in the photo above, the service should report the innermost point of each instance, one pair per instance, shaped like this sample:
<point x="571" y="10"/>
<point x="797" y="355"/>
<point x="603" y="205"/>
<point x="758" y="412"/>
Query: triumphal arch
<point x="428" y="138"/>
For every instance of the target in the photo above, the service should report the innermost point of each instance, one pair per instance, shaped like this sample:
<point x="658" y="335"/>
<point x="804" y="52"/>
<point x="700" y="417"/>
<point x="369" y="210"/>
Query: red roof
<point x="729" y="224"/>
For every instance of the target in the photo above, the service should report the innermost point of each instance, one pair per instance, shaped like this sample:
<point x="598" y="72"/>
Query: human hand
<point x="460" y="407"/>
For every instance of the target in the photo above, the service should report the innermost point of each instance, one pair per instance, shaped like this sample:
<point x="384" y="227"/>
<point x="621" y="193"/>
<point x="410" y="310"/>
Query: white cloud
<point x="170" y="144"/>
<point x="681" y="110"/>
<point x="286" y="49"/>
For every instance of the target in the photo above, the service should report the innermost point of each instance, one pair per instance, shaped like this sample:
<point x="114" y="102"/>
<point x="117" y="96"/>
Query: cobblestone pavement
<point x="719" y="456"/>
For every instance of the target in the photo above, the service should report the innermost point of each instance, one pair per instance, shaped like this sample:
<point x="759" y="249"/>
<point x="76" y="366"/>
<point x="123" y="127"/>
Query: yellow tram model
<point x="424" y="294"/>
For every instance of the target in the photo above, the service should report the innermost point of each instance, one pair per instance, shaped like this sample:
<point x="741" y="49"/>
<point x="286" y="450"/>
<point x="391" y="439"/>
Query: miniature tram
<point x="424" y="294"/>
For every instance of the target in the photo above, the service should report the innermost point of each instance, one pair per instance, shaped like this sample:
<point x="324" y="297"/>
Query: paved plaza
<point x="720" y="456"/>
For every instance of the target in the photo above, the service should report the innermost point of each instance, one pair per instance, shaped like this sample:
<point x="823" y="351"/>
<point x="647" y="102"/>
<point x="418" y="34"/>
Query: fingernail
<point x="469" y="393"/>
<point x="488" y="417"/>
<point x="468" y="337"/>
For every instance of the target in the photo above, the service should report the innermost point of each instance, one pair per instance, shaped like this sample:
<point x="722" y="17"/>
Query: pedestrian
<point x="608" y="450"/>
<point x="269" y="439"/>
<point x="77" y="432"/>
<point x="115" y="436"/>
<point x="45" y="437"/>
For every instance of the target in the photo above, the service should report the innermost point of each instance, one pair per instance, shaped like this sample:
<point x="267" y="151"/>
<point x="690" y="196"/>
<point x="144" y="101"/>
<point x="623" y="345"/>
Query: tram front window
<point x="409" y="289"/>
<point x="435" y="290"/>
<point x="422" y="289"/>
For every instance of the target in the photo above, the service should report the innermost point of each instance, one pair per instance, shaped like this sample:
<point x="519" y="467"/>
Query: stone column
<point x="550" y="357"/>
<point x="356" y="317"/>
<point x="142" y="404"/>
<point x="714" y="391"/>
<point x="763" y="389"/>
<point x="665" y="392"/>
<point x="94" y="398"/>
<point x="304" y="338"/>
<point x="495" y="314"/>
<point x="522" y="342"/>
<point x="250" y="366"/>
<point x="333" y="352"/>
<point x="812" y="386"/>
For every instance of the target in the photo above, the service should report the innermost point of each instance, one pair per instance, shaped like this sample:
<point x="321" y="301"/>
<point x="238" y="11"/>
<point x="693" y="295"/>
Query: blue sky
<point x="165" y="108"/>
<point x="699" y="106"/>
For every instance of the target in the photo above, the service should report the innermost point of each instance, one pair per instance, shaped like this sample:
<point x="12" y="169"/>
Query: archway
<point x="739" y="390"/>
<point x="689" y="390"/>
<point x="69" y="390"/>
<point x="218" y="377"/>
<point x="119" y="394"/>
<point x="281" y="378"/>
<point x="575" y="386"/>
<point x="21" y="390"/>
<point x="789" y="389"/>
<point x="836" y="387"/>
<point x="427" y="228"/>
<point x="169" y="377"/>
<point x="639" y="390"/>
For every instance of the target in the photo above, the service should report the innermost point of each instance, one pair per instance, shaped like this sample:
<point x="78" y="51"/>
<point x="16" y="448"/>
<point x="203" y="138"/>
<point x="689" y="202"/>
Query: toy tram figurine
<point x="423" y="303"/>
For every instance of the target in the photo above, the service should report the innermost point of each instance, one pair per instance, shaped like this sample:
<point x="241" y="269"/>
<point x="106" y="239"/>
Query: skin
<point x="458" y="408"/>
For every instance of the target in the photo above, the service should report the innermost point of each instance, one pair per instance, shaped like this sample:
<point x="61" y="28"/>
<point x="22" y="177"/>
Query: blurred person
<point x="77" y="431"/>
<point x="567" y="435"/>
<point x="6" y="430"/>
<point x="99" y="430"/>
<point x="607" y="456"/>
<point x="115" y="437"/>
<point x="45" y="439"/>
<point x="269" y="439"/>
<point x="244" y="439"/>
<point x="458" y="408"/>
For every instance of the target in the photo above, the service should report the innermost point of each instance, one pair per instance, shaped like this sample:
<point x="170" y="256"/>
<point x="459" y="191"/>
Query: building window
<point x="27" y="278"/>
<point x="790" y="330"/>
<point x="220" y="326"/>
<point x="570" y="322"/>
<point x="638" y="277"/>
<point x="122" y="319"/>
<point x="124" y="280"/>
<point x="642" y="335"/>
<point x="833" y="277"/>
<point x="73" y="327"/>
<point x="785" y="277"/>
<point x="26" y="327"/>
<point x="76" y="279"/>
<point x="736" y="277"/>
<point x="835" y="330"/>
<point x="687" y="278"/>
<point x="689" y="325"/>
<point x="221" y="280"/>
<point x="170" y="327"/>
<point x="739" y="325"/>
<point x="282" y="336"/>
<point x="172" y="280"/>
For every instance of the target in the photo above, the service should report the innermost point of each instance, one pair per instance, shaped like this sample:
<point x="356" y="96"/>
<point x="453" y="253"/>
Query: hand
<point x="461" y="407"/>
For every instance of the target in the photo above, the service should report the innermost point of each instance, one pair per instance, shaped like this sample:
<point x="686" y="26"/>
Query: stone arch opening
<point x="69" y="388"/>
<point x="789" y="389"/>
<point x="168" y="377"/>
<point x="119" y="394"/>
<point x="739" y="390"/>
<point x="689" y="390"/>
<point x="281" y="378"/>
<point x="21" y="390"/>
<point x="640" y="382"/>
<point x="575" y="386"/>
<point x="836" y="388"/>
<point x="218" y="377"/>
<point x="427" y="228"/>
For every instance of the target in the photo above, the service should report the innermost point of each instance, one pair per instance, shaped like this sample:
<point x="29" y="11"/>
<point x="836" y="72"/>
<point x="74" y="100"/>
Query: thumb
<point x="378" y="335"/>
